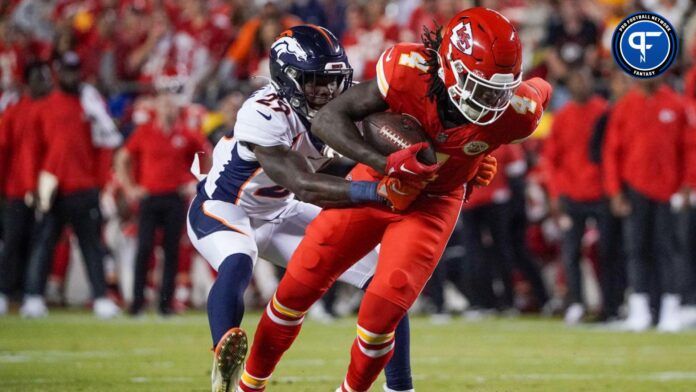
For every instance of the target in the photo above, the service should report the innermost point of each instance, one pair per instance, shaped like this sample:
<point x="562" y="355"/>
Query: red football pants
<point x="411" y="246"/>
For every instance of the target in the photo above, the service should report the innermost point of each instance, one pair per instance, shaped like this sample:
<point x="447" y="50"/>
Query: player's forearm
<point x="340" y="133"/>
<point x="329" y="191"/>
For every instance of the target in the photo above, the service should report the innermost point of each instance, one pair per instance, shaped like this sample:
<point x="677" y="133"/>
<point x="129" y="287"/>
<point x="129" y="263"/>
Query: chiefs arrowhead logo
<point x="476" y="147"/>
<point x="462" y="39"/>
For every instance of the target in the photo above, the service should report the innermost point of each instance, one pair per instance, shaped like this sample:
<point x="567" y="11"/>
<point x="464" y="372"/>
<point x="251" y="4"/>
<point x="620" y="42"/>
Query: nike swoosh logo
<point x="389" y="54"/>
<point x="405" y="170"/>
<point x="266" y="116"/>
<point x="396" y="190"/>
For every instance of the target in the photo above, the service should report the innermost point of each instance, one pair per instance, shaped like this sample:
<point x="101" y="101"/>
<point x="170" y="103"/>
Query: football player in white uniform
<point x="268" y="182"/>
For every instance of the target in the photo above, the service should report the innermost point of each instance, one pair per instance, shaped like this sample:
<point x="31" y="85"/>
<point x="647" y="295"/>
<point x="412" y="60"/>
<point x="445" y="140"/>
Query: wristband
<point x="362" y="191"/>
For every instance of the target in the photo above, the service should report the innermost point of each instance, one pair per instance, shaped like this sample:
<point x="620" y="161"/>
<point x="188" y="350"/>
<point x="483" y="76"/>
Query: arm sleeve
<point x="4" y="149"/>
<point x="690" y="149"/>
<point x="134" y="142"/>
<point x="550" y="155"/>
<point x="611" y="154"/>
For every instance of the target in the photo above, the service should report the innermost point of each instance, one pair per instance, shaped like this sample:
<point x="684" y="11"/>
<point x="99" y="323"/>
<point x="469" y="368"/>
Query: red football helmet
<point x="481" y="63"/>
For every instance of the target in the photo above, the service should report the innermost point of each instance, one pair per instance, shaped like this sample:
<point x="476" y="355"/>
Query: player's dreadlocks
<point x="432" y="39"/>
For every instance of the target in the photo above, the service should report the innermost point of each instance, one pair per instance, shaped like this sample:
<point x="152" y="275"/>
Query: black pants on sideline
<point x="168" y="212"/>
<point x="688" y="282"/>
<point x="81" y="211"/>
<point x="648" y="236"/>
<point x="452" y="268"/>
<point x="611" y="265"/>
<point x="17" y="226"/>
<point x="522" y="258"/>
<point x="481" y="262"/>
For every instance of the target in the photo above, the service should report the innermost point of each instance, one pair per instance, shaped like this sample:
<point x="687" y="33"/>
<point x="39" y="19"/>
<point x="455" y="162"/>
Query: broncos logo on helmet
<point x="291" y="46"/>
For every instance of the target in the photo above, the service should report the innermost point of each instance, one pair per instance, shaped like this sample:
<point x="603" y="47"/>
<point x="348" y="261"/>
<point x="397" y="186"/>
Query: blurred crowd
<point x="592" y="217"/>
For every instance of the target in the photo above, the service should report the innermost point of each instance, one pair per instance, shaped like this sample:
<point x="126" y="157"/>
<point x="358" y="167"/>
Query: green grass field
<point x="72" y="351"/>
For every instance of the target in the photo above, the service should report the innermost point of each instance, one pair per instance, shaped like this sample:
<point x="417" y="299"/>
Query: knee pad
<point x="395" y="286"/>
<point x="314" y="265"/>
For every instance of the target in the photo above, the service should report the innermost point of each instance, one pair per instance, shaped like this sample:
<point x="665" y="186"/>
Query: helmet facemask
<point x="481" y="101"/>
<point x="314" y="89"/>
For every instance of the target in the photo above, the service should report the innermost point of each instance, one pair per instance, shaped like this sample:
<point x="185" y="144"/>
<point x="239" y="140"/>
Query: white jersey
<point x="237" y="177"/>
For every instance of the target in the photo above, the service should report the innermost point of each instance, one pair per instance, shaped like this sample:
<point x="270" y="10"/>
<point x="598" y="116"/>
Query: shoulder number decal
<point x="277" y="105"/>
<point x="522" y="105"/>
<point x="413" y="60"/>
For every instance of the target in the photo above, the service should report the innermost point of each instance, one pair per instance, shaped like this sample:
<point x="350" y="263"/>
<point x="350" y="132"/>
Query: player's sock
<point x="279" y="326"/>
<point x="374" y="344"/>
<point x="226" y="297"/>
<point x="398" y="370"/>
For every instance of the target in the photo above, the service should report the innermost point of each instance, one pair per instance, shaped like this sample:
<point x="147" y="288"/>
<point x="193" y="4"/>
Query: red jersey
<point x="19" y="167"/>
<point x="66" y="143"/>
<point x="162" y="159"/>
<point x="644" y="144"/>
<point x="403" y="81"/>
<point x="567" y="152"/>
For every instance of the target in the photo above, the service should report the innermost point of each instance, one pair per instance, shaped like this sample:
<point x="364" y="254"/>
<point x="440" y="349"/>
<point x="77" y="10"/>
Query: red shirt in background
<point x="162" y="159"/>
<point x="690" y="145"/>
<point x="567" y="152"/>
<point x="509" y="157"/>
<point x="644" y="144"/>
<point x="66" y="143"/>
<point x="19" y="142"/>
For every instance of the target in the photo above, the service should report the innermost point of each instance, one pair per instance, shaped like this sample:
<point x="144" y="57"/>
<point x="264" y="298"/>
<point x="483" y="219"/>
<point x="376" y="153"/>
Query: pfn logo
<point x="644" y="45"/>
<point x="641" y="45"/>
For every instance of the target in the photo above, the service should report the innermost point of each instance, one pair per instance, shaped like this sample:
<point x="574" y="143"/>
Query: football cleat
<point x="104" y="308"/>
<point x="4" y="305"/>
<point x="228" y="361"/>
<point x="34" y="306"/>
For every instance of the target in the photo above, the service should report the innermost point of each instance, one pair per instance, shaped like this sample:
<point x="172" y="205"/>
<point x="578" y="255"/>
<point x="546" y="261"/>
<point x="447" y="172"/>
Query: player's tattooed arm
<point x="335" y="123"/>
<point x="293" y="172"/>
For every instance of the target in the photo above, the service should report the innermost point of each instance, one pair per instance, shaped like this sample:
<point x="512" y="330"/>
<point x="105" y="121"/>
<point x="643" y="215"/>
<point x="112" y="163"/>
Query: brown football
<point x="389" y="132"/>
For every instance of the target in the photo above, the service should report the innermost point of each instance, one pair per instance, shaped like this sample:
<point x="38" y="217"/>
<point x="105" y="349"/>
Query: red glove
<point x="398" y="193"/>
<point x="486" y="171"/>
<point x="404" y="164"/>
<point x="484" y="175"/>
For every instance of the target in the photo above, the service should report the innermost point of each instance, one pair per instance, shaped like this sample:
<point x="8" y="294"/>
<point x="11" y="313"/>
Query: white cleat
<point x="3" y="305"/>
<point x="104" y="308"/>
<point x="228" y="361"/>
<point x="670" y="314"/>
<point x="574" y="314"/>
<point x="639" y="318"/>
<point x="34" y="306"/>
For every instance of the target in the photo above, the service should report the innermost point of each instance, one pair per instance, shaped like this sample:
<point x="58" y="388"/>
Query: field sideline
<point x="71" y="351"/>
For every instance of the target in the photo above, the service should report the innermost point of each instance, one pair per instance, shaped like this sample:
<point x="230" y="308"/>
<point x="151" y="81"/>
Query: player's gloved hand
<point x="484" y="175"/>
<point x="486" y="171"/>
<point x="398" y="193"/>
<point x="404" y="164"/>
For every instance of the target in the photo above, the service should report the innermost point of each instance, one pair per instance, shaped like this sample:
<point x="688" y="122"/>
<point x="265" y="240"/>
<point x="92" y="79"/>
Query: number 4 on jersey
<point x="523" y="105"/>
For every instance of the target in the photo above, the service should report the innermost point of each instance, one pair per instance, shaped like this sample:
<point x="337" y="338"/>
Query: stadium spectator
<point x="243" y="54"/>
<point x="160" y="151"/>
<point x="644" y="141"/>
<point x="369" y="32"/>
<point x="576" y="194"/>
<point x="18" y="173"/>
<point x="571" y="38"/>
<point x="68" y="191"/>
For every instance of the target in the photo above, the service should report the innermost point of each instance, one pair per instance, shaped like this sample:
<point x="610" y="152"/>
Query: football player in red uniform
<point x="464" y="85"/>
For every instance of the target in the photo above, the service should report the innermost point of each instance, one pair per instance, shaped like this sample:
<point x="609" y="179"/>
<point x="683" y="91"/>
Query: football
<point x="389" y="132"/>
